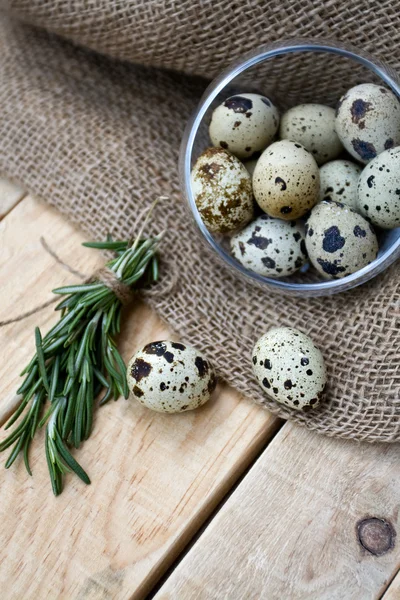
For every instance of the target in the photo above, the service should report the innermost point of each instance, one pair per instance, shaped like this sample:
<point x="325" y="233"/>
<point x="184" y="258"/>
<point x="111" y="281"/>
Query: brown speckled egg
<point x="244" y="124"/>
<point x="170" y="377"/>
<point x="339" y="241"/>
<point x="339" y="180"/>
<point x="270" y="247"/>
<point x="379" y="190"/>
<point x="289" y="368"/>
<point x="286" y="180"/>
<point x="368" y="121"/>
<point x="222" y="191"/>
<point x="312" y="126"/>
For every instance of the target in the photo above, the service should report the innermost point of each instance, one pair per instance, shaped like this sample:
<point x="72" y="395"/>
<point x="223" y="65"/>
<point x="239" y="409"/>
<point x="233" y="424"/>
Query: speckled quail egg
<point x="312" y="126"/>
<point x="339" y="241"/>
<point x="170" y="377"/>
<point x="286" y="180"/>
<point x="368" y="121"/>
<point x="270" y="247"/>
<point x="222" y="190"/>
<point x="379" y="190"/>
<point x="339" y="179"/>
<point x="289" y="368"/>
<point x="244" y="124"/>
<point x="250" y="166"/>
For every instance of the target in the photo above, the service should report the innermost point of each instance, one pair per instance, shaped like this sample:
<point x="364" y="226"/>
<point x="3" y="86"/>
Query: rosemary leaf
<point x="26" y="457"/>
<point x="76" y="360"/>
<point x="78" y="289"/>
<point x="69" y="459"/>
<point x="23" y="404"/>
<point x="29" y="379"/>
<point x="54" y="378"/>
<point x="106" y="245"/>
<point x="106" y="397"/>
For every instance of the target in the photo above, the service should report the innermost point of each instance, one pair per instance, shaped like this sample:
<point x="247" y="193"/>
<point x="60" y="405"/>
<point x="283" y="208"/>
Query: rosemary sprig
<point x="76" y="360"/>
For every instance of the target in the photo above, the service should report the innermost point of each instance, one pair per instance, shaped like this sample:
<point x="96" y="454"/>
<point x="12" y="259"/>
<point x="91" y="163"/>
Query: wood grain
<point x="292" y="528"/>
<point x="10" y="195"/>
<point x="155" y="477"/>
<point x="393" y="591"/>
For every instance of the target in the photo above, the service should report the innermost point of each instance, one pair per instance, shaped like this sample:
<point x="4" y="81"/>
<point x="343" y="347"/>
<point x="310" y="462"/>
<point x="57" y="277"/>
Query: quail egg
<point x="270" y="247"/>
<point x="368" y="121"/>
<point x="339" y="241"/>
<point x="312" y="126"/>
<point x="289" y="368"/>
<point x="379" y="190"/>
<point x="286" y="180"/>
<point x="339" y="179"/>
<point x="222" y="191"/>
<point x="244" y="124"/>
<point x="170" y="377"/>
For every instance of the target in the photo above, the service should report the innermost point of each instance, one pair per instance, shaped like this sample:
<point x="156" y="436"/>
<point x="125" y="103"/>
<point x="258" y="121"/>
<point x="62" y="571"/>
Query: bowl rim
<point x="246" y="61"/>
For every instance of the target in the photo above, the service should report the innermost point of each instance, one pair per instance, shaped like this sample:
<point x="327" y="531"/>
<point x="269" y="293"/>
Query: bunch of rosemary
<point x="76" y="360"/>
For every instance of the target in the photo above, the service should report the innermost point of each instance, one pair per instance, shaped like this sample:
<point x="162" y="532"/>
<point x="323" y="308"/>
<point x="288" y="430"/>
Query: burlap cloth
<point x="99" y="139"/>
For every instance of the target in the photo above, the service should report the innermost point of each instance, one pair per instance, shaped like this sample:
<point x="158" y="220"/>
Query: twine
<point x="106" y="276"/>
<point x="109" y="278"/>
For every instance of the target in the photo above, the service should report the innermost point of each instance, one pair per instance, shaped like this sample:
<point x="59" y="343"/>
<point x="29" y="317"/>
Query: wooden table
<point x="223" y="503"/>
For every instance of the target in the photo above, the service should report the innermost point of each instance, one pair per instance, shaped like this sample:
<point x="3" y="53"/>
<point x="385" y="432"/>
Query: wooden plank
<point x="292" y="528"/>
<point x="27" y="275"/>
<point x="155" y="477"/>
<point x="393" y="591"/>
<point x="10" y="195"/>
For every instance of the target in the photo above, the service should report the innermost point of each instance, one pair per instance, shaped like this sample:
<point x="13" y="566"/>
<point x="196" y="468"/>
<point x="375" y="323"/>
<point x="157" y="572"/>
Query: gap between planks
<point x="197" y="536"/>
<point x="392" y="592"/>
<point x="290" y="528"/>
<point x="156" y="478"/>
<point x="299" y="501"/>
<point x="10" y="195"/>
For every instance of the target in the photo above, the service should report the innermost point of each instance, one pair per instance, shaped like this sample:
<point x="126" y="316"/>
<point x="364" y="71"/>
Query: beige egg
<point x="312" y="126"/>
<point x="222" y="191"/>
<point x="339" y="241"/>
<point x="290" y="368"/>
<point x="368" y="121"/>
<point x="286" y="180"/>
<point x="270" y="247"/>
<point x="170" y="377"/>
<point x="379" y="190"/>
<point x="244" y="124"/>
<point x="339" y="180"/>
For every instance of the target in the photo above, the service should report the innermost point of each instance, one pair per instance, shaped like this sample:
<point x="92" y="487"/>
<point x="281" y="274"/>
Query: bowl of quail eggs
<point x="291" y="167"/>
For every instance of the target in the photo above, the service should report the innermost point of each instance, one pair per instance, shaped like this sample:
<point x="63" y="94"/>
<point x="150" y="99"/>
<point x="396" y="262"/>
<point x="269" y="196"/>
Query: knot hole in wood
<point x="376" y="535"/>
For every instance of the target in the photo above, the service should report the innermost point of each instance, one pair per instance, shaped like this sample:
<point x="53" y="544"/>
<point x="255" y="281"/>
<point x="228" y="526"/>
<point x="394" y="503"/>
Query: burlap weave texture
<point x="99" y="139"/>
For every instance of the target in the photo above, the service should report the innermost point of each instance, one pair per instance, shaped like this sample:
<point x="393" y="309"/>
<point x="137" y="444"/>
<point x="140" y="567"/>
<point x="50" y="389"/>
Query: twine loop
<point x="106" y="276"/>
<point x="122" y="291"/>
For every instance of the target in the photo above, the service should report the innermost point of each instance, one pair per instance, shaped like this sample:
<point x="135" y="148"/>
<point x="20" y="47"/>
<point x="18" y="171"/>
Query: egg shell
<point x="339" y="180"/>
<point x="312" y="126"/>
<point x="244" y="124"/>
<point x="289" y="368"/>
<point x="368" y="121"/>
<point x="222" y="190"/>
<point x="286" y="180"/>
<point x="270" y="247"/>
<point x="339" y="241"/>
<point x="378" y="194"/>
<point x="170" y="377"/>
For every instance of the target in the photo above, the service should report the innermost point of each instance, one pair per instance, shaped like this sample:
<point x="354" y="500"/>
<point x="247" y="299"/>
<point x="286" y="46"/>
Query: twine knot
<point x="122" y="291"/>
